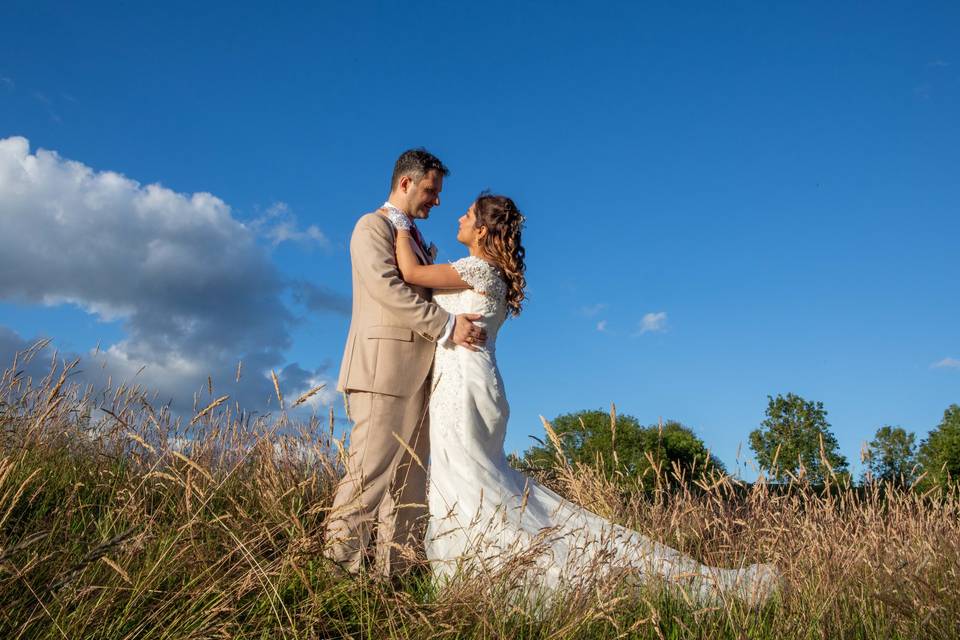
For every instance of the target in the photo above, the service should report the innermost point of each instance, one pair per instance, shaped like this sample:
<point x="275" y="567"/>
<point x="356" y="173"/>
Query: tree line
<point x="794" y="442"/>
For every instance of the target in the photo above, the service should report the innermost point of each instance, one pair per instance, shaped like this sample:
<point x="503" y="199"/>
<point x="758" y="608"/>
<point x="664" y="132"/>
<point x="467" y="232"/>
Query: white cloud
<point x="602" y="326"/>
<point x="8" y="83"/>
<point x="593" y="309"/>
<point x="296" y="381"/>
<point x="194" y="290"/>
<point x="279" y="225"/>
<point x="653" y="322"/>
<point x="946" y="363"/>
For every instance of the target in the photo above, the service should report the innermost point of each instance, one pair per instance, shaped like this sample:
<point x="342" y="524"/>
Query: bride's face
<point x="467" y="233"/>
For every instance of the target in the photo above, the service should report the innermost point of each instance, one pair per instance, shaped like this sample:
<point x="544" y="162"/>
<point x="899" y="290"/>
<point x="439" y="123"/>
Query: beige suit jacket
<point x="394" y="326"/>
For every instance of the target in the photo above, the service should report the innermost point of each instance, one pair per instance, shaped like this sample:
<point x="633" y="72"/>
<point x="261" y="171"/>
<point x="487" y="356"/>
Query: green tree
<point x="796" y="434"/>
<point x="892" y="455"/>
<point x="590" y="437"/>
<point x="940" y="451"/>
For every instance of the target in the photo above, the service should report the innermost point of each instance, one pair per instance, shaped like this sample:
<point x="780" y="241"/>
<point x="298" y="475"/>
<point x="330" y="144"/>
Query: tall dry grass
<point x="119" y="521"/>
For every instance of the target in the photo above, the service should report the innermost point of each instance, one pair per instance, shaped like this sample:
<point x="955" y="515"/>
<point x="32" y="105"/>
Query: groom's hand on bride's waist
<point x="467" y="334"/>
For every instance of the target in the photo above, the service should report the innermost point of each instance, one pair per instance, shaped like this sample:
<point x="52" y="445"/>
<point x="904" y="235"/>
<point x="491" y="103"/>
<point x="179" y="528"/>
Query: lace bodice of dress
<point x="487" y="295"/>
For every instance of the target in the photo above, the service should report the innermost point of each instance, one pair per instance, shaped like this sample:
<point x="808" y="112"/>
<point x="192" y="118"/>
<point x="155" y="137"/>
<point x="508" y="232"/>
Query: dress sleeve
<point x="480" y="275"/>
<point x="470" y="270"/>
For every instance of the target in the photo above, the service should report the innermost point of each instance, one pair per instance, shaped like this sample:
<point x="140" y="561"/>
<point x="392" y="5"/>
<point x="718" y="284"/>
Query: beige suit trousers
<point x="382" y="496"/>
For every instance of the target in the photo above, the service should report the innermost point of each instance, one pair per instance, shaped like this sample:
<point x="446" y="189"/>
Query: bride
<point x="483" y="513"/>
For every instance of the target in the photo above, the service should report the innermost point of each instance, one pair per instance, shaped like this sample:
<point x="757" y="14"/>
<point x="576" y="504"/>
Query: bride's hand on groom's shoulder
<point x="468" y="335"/>
<point x="399" y="221"/>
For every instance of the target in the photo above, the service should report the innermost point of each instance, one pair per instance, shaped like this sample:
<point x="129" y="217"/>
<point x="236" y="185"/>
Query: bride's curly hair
<point x="504" y="224"/>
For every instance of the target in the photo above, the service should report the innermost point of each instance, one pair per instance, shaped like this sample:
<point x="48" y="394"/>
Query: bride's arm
<point x="434" y="276"/>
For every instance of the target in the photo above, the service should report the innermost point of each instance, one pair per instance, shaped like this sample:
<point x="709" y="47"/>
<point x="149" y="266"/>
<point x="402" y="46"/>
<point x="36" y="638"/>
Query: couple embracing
<point x="422" y="387"/>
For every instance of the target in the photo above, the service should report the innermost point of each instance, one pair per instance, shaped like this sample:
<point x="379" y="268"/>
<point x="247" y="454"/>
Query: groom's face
<point x="425" y="195"/>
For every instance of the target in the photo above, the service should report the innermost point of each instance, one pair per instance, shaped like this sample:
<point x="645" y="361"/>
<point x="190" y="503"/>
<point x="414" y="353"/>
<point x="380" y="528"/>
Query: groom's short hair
<point x="416" y="163"/>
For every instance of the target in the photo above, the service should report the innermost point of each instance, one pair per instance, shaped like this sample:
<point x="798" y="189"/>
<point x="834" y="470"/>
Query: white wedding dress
<point x="484" y="514"/>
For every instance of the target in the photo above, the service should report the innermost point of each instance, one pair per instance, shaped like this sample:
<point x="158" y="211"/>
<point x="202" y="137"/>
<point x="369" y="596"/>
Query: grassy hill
<point x="118" y="521"/>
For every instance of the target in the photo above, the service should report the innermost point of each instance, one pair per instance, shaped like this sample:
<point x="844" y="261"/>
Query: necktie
<point x="419" y="239"/>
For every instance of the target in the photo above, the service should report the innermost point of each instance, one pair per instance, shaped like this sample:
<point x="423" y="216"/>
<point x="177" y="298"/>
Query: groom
<point x="385" y="378"/>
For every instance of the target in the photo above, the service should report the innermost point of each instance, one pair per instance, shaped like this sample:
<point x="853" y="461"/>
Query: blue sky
<point x="779" y="183"/>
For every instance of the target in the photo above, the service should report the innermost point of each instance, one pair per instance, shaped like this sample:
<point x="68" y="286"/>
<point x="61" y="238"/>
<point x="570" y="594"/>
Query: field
<point x="114" y="525"/>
